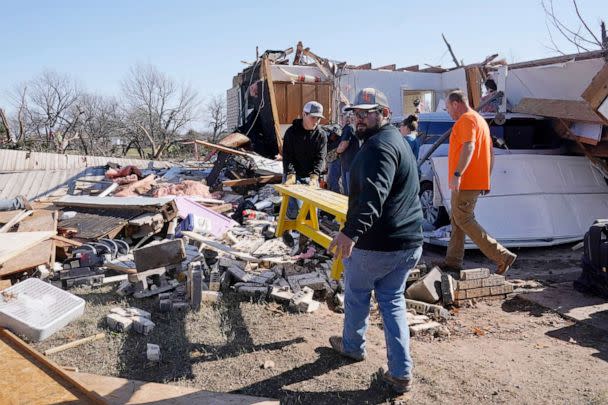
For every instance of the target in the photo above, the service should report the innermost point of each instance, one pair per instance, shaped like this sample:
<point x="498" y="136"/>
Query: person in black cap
<point x="304" y="151"/>
<point x="381" y="239"/>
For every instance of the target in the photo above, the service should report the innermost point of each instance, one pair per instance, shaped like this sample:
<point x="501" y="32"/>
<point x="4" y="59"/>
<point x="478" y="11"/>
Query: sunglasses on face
<point x="362" y="114"/>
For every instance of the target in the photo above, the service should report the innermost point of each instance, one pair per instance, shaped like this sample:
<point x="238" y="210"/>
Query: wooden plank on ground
<point x="120" y="391"/>
<point x="16" y="243"/>
<point x="254" y="180"/>
<point x="30" y="378"/>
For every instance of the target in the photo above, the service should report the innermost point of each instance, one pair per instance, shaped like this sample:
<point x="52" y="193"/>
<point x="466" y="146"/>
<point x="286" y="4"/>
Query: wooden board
<point x="597" y="91"/>
<point x="564" y="299"/>
<point x="40" y="220"/>
<point x="267" y="75"/>
<point x="6" y="216"/>
<point x="564" y="109"/>
<point x="42" y="253"/>
<point x="220" y="247"/>
<point x="16" y="243"/>
<point x="119" y="391"/>
<point x="27" y="377"/>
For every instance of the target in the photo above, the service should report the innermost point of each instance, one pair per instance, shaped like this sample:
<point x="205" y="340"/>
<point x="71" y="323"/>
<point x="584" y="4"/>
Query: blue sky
<point x="203" y="44"/>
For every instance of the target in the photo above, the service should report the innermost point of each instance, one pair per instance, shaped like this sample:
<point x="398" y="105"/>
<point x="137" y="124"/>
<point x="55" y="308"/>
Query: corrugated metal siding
<point x="35" y="184"/>
<point x="19" y="160"/>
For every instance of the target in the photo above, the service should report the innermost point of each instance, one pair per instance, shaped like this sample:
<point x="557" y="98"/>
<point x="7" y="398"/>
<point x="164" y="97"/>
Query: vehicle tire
<point x="438" y="216"/>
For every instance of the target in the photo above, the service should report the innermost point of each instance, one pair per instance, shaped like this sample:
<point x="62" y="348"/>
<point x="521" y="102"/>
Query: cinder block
<point x="428" y="327"/>
<point x="427" y="289"/>
<point x="448" y="288"/>
<point x="227" y="262"/>
<point x="153" y="352"/>
<point x="165" y="305"/>
<point x="315" y="283"/>
<point x="424" y="308"/>
<point x="303" y="301"/>
<point x="501" y="289"/>
<point x="478" y="292"/>
<point x="142" y="325"/>
<point x="138" y="312"/>
<point x="493" y="280"/>
<point x="252" y="290"/>
<point x="474" y="274"/>
<point x="120" y="311"/>
<point x="413" y="276"/>
<point x="281" y="294"/>
<point x="239" y="274"/>
<point x="119" y="323"/>
<point x="195" y="284"/>
<point x="265" y="277"/>
<point x="180" y="306"/>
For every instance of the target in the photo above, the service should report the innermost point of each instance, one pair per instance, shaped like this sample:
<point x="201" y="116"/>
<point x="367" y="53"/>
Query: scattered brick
<point x="474" y="274"/>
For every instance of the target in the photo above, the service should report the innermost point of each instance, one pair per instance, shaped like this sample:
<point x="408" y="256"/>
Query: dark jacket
<point x="304" y="151"/>
<point x="347" y="157"/>
<point x="384" y="212"/>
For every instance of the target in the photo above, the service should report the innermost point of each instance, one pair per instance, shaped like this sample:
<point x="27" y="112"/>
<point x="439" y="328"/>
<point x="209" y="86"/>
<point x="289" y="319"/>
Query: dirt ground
<point x="502" y="352"/>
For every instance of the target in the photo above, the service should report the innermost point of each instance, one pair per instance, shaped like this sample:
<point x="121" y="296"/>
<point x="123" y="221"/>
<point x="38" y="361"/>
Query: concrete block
<point x="291" y="269"/>
<point x="153" y="352"/>
<point x="281" y="283"/>
<point x="211" y="297"/>
<point x="315" y="283"/>
<point x="125" y="288"/>
<point x="195" y="284"/>
<point x="119" y="323"/>
<point x="302" y="300"/>
<point x="161" y="254"/>
<point x="252" y="290"/>
<point x="493" y="280"/>
<point x="138" y="312"/>
<point x="165" y="305"/>
<point x="428" y="327"/>
<point x="281" y="294"/>
<point x="425" y="308"/>
<point x="448" y="288"/>
<point x="427" y="289"/>
<point x="309" y="306"/>
<point x="142" y="325"/>
<point x="468" y="284"/>
<point x="474" y="274"/>
<point x="227" y="262"/>
<point x="413" y="276"/>
<point x="339" y="302"/>
<point x="265" y="277"/>
<point x="239" y="274"/>
<point x="501" y="289"/>
<point x="416" y="319"/>
<point x="477" y="292"/>
<point x="120" y="311"/>
<point x="180" y="306"/>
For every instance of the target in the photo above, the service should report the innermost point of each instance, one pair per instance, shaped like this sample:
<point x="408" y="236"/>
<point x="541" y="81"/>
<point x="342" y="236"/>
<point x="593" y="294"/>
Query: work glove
<point x="290" y="180"/>
<point x="314" y="180"/>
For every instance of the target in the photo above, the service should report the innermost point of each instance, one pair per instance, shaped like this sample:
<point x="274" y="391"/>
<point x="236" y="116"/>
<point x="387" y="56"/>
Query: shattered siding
<point x="36" y="184"/>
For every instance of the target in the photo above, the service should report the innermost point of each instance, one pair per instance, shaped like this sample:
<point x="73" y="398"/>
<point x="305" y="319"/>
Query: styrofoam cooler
<point x="35" y="309"/>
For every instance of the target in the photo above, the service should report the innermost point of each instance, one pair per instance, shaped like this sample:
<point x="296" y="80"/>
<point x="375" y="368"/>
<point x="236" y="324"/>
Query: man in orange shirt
<point x="470" y="161"/>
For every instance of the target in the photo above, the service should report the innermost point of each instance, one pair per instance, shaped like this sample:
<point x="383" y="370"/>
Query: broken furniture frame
<point x="307" y="222"/>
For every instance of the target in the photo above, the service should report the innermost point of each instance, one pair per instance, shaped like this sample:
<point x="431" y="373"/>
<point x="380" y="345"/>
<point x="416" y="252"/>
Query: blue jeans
<point x="293" y="206"/>
<point x="385" y="273"/>
<point x="345" y="175"/>
<point x="10" y="205"/>
<point x="333" y="176"/>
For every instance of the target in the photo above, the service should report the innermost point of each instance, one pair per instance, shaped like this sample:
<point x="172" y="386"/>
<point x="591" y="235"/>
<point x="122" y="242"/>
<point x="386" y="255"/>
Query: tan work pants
<point x="464" y="224"/>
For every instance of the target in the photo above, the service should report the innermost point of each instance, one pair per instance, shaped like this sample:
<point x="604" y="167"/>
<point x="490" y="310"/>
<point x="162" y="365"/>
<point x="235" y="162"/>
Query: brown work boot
<point x="25" y="202"/>
<point x="337" y="345"/>
<point x="504" y="266"/>
<point x="445" y="266"/>
<point x="399" y="385"/>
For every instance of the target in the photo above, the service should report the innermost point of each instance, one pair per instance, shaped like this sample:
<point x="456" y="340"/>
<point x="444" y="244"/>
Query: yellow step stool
<point x="307" y="222"/>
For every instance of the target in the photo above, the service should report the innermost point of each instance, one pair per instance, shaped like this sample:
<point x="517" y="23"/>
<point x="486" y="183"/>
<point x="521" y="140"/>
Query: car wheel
<point x="429" y="211"/>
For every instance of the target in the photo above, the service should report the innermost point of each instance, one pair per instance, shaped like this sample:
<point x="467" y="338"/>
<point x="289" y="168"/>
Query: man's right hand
<point x="290" y="180"/>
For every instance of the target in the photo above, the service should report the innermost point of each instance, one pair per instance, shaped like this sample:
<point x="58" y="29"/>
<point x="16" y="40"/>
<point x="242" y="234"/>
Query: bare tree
<point x="19" y="121"/>
<point x="579" y="34"/>
<point x="100" y="129"/>
<point x="216" y="117"/>
<point x="157" y="107"/>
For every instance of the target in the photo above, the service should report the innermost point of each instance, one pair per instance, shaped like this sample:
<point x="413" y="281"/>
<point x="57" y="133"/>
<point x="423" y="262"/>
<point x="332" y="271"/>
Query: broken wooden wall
<point x="292" y="97"/>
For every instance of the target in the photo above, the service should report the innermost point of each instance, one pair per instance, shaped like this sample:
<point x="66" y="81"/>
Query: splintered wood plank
<point x="120" y="391"/>
<point x="40" y="220"/>
<point x="42" y="253"/>
<point x="565" y="109"/>
<point x="29" y="378"/>
<point x="13" y="244"/>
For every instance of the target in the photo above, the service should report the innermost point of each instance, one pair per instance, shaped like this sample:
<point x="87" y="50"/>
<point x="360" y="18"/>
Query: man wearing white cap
<point x="304" y="151"/>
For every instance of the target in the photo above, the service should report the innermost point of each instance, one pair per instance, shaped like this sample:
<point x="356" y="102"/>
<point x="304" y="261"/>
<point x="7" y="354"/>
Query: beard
<point x="363" y="131"/>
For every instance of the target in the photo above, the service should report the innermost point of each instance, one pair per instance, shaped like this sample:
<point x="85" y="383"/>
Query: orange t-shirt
<point x="471" y="127"/>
